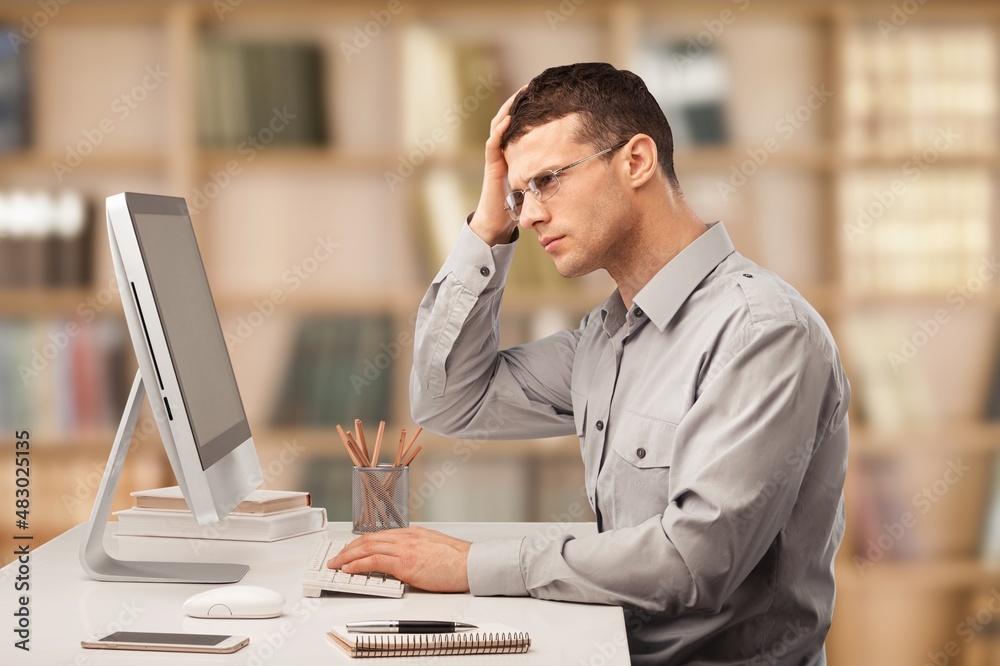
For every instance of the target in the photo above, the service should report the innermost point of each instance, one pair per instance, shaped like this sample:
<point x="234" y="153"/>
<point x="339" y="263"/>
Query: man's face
<point x="582" y="225"/>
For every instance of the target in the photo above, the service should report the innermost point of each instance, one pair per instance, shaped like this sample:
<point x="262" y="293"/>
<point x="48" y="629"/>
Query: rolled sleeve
<point x="495" y="568"/>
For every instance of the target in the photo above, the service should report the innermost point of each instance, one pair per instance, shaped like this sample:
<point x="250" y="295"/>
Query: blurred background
<point x="330" y="151"/>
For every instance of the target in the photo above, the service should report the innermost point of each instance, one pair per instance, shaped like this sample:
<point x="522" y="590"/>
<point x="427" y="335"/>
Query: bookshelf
<point x="789" y="215"/>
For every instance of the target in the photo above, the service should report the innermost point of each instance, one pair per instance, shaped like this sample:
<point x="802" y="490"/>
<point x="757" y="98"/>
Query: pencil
<point x="409" y="459"/>
<point x="399" y="448"/>
<point x="361" y="436"/>
<point x="362" y="456"/>
<point x="378" y="443"/>
<point x="347" y="445"/>
<point x="416" y="434"/>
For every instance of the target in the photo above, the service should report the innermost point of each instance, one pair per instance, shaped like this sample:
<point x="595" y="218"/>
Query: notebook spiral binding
<point x="442" y="644"/>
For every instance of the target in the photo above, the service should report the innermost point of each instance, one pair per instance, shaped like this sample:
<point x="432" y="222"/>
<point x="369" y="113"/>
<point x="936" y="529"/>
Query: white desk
<point x="67" y="606"/>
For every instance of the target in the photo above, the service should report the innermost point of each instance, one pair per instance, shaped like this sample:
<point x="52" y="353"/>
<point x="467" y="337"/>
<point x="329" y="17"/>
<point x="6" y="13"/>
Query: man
<point x="708" y="395"/>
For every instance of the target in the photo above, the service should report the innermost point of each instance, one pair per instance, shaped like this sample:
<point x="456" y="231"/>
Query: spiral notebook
<point x="488" y="639"/>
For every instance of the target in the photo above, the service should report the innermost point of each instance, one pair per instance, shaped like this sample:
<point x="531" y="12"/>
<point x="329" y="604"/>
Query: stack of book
<point x="266" y="515"/>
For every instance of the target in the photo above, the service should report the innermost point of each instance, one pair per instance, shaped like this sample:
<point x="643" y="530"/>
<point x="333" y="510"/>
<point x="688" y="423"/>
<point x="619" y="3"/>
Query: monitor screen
<point x="193" y="334"/>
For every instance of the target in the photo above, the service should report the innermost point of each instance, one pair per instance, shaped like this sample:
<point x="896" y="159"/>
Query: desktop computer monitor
<point x="184" y="368"/>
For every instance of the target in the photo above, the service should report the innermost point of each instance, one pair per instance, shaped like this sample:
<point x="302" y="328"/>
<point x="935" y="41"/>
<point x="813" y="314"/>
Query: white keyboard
<point x="317" y="577"/>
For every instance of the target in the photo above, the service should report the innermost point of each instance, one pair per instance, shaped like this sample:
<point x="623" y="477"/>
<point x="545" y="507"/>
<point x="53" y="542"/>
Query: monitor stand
<point x="95" y="559"/>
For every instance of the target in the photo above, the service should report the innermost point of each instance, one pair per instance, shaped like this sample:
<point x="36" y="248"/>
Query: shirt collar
<point x="666" y="292"/>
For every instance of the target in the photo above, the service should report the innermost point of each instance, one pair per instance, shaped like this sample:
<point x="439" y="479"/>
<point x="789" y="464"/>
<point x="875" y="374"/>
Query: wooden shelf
<point x="98" y="161"/>
<point x="847" y="299"/>
<point x="285" y="157"/>
<point x="725" y="158"/>
<point x="44" y="302"/>
<point x="942" y="439"/>
<point x="945" y="574"/>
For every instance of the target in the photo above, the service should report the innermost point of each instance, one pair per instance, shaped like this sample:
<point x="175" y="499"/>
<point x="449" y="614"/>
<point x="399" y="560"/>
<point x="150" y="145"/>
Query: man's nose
<point x="532" y="211"/>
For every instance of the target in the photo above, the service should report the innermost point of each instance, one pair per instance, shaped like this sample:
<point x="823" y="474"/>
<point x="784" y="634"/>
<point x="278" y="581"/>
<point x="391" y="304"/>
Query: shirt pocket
<point x="643" y="448"/>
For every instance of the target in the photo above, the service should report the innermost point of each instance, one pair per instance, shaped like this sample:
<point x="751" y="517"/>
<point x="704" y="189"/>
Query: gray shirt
<point x="712" y="418"/>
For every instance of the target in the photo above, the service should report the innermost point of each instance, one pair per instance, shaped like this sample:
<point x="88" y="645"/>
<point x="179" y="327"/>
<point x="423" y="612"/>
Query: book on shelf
<point x="15" y="111"/>
<point x="260" y="502"/>
<point x="54" y="390"/>
<point x="916" y="232"/>
<point x="691" y="88"/>
<point x="339" y="371"/>
<point x="44" y="240"/>
<point x="329" y="480"/>
<point x="991" y="529"/>
<point x="487" y="639"/>
<point x="446" y="197"/>
<point x="234" y="527"/>
<point x="254" y="93"/>
<point x="901" y="92"/>
<point x="451" y="88"/>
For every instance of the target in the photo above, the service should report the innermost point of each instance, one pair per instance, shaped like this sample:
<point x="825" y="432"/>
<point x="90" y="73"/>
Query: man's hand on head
<point x="420" y="557"/>
<point x="490" y="221"/>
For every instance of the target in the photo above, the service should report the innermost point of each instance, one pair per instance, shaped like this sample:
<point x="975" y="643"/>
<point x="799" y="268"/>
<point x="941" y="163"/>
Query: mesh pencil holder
<point x="380" y="498"/>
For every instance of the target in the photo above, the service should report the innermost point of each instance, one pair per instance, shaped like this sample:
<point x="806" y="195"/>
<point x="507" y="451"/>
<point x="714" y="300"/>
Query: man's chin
<point x="568" y="269"/>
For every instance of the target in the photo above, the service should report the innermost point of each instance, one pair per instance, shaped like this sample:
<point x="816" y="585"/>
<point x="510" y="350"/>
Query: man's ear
<point x="641" y="160"/>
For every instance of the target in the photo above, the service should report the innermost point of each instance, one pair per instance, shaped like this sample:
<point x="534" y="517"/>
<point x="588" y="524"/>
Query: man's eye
<point x="547" y="180"/>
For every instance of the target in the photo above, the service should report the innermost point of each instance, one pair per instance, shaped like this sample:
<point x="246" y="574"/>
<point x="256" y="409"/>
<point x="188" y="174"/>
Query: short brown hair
<point x="613" y="105"/>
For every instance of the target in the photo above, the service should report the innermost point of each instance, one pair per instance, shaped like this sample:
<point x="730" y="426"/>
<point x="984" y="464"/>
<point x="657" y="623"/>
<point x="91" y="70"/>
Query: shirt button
<point x="599" y="425"/>
<point x="638" y="312"/>
<point x="641" y="453"/>
<point x="747" y="275"/>
<point x="484" y="271"/>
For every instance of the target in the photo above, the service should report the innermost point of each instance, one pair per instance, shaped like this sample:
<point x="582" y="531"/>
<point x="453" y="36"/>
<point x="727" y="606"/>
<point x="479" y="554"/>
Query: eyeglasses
<point x="545" y="184"/>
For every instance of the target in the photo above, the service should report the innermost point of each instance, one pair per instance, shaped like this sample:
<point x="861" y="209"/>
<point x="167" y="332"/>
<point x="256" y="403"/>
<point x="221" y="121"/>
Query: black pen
<point x="407" y="627"/>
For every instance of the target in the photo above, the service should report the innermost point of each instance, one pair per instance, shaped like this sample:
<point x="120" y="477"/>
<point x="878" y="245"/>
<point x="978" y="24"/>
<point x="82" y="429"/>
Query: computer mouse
<point x="235" y="602"/>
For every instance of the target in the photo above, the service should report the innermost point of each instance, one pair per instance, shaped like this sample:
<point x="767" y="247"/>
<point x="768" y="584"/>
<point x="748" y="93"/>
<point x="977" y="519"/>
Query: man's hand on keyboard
<point x="423" y="558"/>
